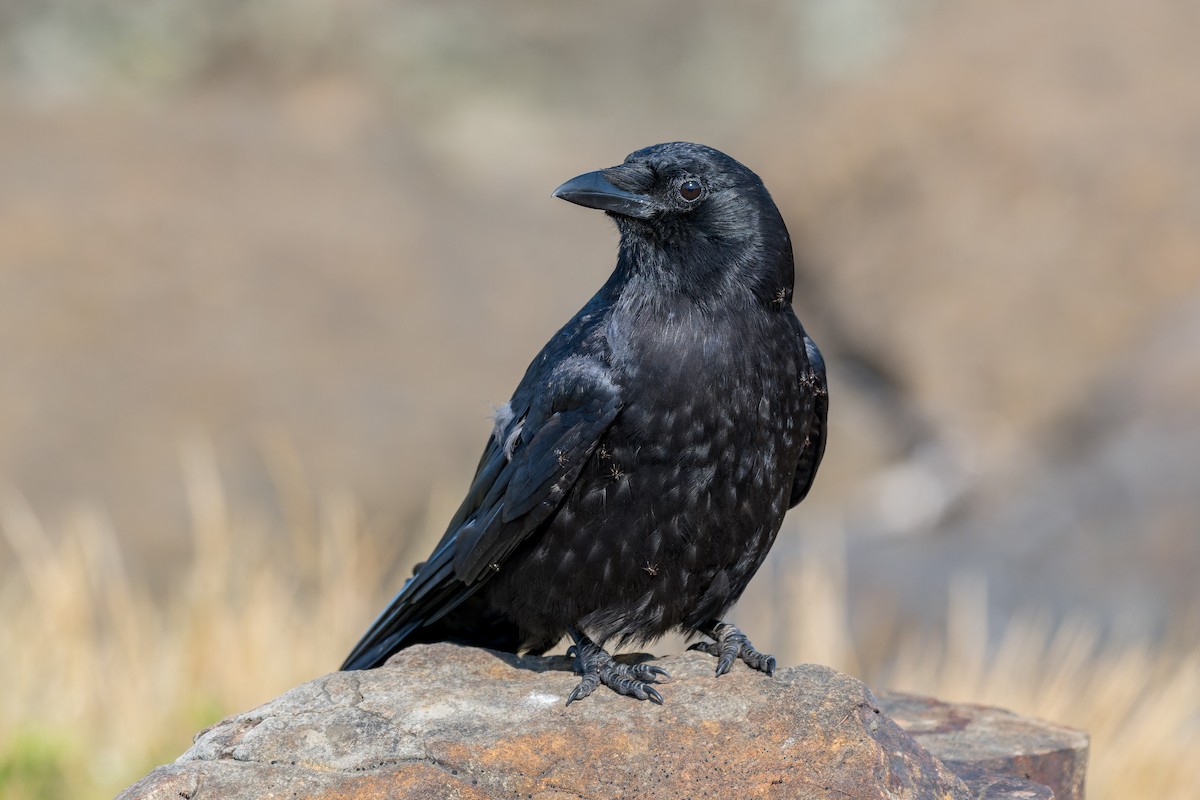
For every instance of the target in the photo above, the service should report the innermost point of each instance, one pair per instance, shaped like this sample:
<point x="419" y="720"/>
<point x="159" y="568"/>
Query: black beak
<point x="593" y="190"/>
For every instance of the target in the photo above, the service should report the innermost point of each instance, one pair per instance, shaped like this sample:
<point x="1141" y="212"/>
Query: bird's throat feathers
<point x="679" y="336"/>
<point x="704" y="270"/>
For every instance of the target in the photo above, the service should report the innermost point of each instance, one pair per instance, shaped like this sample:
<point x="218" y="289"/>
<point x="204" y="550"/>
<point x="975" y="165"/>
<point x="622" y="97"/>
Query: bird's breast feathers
<point x="686" y="350"/>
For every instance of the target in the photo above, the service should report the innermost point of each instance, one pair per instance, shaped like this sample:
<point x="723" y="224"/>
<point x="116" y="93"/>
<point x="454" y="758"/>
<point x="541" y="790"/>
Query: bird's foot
<point x="731" y="644"/>
<point x="597" y="667"/>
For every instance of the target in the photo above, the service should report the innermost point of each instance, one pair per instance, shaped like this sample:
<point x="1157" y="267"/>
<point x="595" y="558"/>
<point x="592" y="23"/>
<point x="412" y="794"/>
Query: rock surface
<point x="441" y="721"/>
<point x="989" y="747"/>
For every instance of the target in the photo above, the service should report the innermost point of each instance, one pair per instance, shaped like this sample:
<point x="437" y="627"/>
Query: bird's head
<point x="692" y="219"/>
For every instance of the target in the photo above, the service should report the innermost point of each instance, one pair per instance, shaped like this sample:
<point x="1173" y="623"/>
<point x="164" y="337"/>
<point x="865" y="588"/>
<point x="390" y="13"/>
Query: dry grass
<point x="102" y="680"/>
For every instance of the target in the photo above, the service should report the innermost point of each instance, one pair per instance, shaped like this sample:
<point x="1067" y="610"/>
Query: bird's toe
<point x="626" y="679"/>
<point x="647" y="673"/>
<point x="586" y="686"/>
<point x="759" y="661"/>
<point x="731" y="644"/>
<point x="596" y="666"/>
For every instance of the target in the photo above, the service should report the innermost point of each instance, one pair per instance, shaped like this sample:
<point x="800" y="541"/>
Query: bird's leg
<point x="730" y="644"/>
<point x="597" y="667"/>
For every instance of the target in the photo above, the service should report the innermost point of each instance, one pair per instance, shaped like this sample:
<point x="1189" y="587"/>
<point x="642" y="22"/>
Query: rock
<point x="982" y="744"/>
<point x="440" y="721"/>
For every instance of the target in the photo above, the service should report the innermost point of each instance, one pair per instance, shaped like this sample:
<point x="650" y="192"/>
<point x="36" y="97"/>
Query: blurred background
<point x="266" y="267"/>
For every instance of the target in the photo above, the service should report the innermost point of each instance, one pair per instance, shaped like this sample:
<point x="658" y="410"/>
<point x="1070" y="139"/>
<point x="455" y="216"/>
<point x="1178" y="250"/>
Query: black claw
<point x="643" y="672"/>
<point x="586" y="686"/>
<point x="653" y="696"/>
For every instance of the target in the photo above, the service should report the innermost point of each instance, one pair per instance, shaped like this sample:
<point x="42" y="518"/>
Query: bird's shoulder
<point x="574" y="365"/>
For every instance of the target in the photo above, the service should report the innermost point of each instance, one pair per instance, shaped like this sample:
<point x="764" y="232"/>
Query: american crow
<point x="639" y="474"/>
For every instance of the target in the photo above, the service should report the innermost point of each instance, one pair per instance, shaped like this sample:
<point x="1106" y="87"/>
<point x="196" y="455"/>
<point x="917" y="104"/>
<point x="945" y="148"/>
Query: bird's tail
<point x="470" y="623"/>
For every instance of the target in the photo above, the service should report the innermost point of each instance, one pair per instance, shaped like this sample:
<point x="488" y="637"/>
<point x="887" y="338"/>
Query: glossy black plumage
<point x="640" y="473"/>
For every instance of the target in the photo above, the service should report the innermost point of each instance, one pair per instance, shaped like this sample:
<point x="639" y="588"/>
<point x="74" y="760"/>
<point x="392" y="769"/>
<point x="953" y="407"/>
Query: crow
<point x="641" y="471"/>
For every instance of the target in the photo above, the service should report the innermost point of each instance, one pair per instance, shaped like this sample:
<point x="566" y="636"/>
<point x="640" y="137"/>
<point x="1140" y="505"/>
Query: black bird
<point x="638" y="476"/>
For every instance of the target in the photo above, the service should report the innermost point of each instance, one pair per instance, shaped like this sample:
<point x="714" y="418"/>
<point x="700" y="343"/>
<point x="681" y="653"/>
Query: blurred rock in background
<point x="321" y="236"/>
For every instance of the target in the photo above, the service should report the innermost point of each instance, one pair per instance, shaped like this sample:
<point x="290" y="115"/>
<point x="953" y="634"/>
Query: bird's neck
<point x="672" y="278"/>
<point x="686" y="333"/>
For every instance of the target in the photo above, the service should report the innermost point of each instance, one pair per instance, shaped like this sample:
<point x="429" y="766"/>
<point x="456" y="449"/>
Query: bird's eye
<point x="690" y="190"/>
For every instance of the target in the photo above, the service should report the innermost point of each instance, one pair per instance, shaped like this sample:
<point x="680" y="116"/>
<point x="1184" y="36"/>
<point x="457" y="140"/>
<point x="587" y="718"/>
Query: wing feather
<point x="519" y="483"/>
